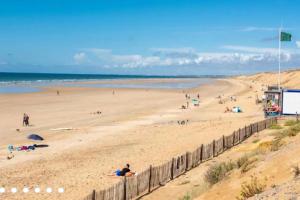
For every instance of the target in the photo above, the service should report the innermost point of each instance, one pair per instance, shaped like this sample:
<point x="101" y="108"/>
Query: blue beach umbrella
<point x="35" y="137"/>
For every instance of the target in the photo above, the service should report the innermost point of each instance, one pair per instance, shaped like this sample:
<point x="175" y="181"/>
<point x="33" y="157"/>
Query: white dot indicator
<point x="13" y="190"/>
<point x="61" y="190"/>
<point x="2" y="190"/>
<point x="49" y="190"/>
<point x="37" y="190"/>
<point x="25" y="190"/>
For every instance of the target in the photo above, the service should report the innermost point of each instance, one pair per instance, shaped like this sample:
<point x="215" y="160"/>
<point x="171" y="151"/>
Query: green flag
<point x="285" y="37"/>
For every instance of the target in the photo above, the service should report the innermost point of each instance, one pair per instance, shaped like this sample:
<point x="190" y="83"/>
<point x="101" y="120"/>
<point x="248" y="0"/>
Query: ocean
<point x="34" y="82"/>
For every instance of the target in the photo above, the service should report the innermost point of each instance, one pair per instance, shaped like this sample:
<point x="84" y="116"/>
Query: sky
<point x="149" y="37"/>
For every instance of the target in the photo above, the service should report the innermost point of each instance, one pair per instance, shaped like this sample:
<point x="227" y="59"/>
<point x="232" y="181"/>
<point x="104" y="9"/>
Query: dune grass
<point x="187" y="196"/>
<point x="291" y="122"/>
<point x="251" y="188"/>
<point x="256" y="141"/>
<point x="218" y="171"/>
<point x="275" y="126"/>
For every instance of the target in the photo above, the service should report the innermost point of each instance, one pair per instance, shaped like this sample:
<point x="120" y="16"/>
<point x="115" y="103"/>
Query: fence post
<point x="224" y="143"/>
<point x="214" y="146"/>
<point x="186" y="161"/>
<point x="150" y="176"/>
<point x="201" y="154"/>
<point x="125" y="188"/>
<point x="233" y="144"/>
<point x="172" y="169"/>
<point x="94" y="195"/>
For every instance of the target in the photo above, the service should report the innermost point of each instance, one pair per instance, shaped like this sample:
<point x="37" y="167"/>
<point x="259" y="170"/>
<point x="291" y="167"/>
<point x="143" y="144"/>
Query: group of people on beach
<point x="25" y="120"/>
<point x="188" y="97"/>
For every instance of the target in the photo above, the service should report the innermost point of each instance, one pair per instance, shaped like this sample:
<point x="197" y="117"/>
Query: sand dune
<point x="276" y="166"/>
<point x="289" y="79"/>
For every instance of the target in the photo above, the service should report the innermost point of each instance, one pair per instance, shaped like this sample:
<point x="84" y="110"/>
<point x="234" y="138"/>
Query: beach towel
<point x="31" y="148"/>
<point x="24" y="148"/>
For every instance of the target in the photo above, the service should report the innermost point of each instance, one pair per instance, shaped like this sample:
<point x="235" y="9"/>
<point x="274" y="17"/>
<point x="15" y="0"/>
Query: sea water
<point x="34" y="82"/>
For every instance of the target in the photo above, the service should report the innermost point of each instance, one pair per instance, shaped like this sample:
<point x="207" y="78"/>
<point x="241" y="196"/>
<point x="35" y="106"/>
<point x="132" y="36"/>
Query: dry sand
<point x="137" y="126"/>
<point x="276" y="166"/>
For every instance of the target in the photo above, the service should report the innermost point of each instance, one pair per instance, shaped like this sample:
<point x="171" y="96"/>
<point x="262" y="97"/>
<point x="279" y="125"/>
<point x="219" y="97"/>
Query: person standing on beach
<point x="24" y="119"/>
<point x="27" y="120"/>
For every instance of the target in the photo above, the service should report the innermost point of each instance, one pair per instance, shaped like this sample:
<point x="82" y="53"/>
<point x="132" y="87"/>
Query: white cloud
<point x="298" y="44"/>
<point x="268" y="53"/>
<point x="175" y="57"/>
<point x="79" y="57"/>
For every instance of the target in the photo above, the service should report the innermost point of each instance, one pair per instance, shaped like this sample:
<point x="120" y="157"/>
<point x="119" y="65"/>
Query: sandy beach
<point x="136" y="126"/>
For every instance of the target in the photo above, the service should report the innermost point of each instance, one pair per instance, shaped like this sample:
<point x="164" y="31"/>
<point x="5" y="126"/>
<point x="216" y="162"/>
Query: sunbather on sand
<point x="124" y="172"/>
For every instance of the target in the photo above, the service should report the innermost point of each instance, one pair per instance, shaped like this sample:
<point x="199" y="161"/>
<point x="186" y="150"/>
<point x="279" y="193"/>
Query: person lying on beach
<point x="124" y="172"/>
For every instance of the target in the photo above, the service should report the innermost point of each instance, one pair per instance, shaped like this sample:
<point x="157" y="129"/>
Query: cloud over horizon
<point x="79" y="57"/>
<point x="237" y="57"/>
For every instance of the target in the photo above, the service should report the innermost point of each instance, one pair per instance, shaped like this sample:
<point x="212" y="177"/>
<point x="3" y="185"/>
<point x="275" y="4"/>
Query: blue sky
<point x="158" y="37"/>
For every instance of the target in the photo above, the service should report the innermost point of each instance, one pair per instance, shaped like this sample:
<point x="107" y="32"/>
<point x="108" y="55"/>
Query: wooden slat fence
<point x="179" y="165"/>
<point x="160" y="175"/>
<point x="189" y="161"/>
<point x="208" y="151"/>
<point x="229" y="141"/>
<point x="156" y="176"/>
<point x="236" y="137"/>
<point x="219" y="146"/>
<point x="244" y="132"/>
<point x="197" y="156"/>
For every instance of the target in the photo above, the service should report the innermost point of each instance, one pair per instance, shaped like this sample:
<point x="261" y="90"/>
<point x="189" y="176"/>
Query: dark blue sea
<point x="34" y="82"/>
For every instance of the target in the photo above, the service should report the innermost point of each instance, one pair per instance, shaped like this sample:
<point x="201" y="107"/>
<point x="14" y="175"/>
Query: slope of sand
<point x="137" y="126"/>
<point x="274" y="169"/>
<point x="289" y="79"/>
<point x="276" y="166"/>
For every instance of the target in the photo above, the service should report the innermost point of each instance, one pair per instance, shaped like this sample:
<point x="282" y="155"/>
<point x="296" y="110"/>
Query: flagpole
<point x="279" y="58"/>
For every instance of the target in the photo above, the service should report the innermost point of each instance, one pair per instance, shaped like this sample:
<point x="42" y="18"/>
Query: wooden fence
<point x="156" y="176"/>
